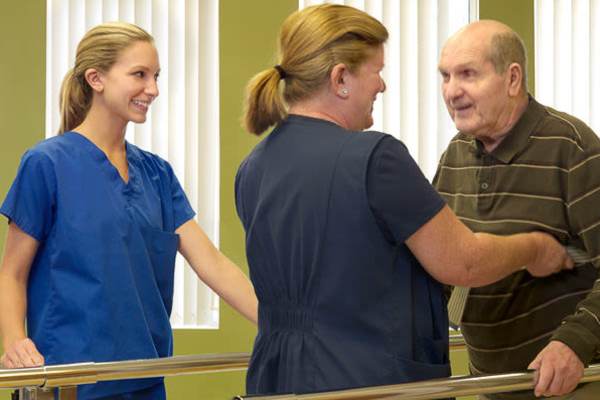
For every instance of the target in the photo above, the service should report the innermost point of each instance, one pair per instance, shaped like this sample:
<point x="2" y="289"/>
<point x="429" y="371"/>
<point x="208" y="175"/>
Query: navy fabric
<point x="101" y="284"/>
<point x="343" y="302"/>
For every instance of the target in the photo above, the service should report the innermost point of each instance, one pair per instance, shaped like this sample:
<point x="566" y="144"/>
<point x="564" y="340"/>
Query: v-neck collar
<point x="129" y="187"/>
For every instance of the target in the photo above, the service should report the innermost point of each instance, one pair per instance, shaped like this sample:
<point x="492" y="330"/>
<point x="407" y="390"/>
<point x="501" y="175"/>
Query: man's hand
<point x="551" y="256"/>
<point x="21" y="354"/>
<point x="558" y="370"/>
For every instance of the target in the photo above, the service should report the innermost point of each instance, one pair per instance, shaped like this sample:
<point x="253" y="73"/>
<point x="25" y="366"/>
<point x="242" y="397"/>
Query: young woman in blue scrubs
<point x="94" y="226"/>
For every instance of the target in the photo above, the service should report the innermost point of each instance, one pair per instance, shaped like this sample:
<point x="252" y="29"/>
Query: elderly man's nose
<point x="452" y="88"/>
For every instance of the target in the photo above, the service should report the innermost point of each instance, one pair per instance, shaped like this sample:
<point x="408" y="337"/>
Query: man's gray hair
<point x="507" y="48"/>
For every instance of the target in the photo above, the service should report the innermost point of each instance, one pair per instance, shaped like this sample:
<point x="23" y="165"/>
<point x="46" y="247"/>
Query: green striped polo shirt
<point x="545" y="175"/>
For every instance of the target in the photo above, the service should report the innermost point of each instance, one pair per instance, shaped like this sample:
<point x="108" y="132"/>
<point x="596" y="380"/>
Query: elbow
<point x="467" y="269"/>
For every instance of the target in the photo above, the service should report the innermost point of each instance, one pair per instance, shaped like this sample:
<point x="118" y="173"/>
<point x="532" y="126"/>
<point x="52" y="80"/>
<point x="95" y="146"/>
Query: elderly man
<point x="518" y="166"/>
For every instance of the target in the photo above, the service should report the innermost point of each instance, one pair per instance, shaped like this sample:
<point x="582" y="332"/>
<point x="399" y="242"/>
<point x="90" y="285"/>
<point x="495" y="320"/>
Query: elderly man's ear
<point x="515" y="75"/>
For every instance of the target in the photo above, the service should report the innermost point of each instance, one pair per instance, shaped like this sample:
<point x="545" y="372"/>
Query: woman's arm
<point x="19" y="252"/>
<point x="454" y="255"/>
<point x="217" y="271"/>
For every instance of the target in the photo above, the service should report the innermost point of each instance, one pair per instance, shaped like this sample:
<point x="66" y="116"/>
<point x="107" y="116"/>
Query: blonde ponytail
<point x="75" y="100"/>
<point x="311" y="42"/>
<point x="264" y="105"/>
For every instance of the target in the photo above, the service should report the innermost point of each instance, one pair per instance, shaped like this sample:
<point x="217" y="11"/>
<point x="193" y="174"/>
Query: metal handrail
<point x="434" y="389"/>
<point x="84" y="373"/>
<point x="70" y="375"/>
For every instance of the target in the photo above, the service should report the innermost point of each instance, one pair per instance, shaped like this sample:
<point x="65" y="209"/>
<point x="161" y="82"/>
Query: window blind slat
<point x="567" y="37"/>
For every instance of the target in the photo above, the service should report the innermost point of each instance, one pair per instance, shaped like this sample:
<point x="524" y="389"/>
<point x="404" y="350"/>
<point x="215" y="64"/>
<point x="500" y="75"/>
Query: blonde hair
<point x="99" y="48"/>
<point x="311" y="42"/>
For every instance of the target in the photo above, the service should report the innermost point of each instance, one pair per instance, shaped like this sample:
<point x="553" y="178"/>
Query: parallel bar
<point x="83" y="373"/>
<point x="75" y="374"/>
<point x="79" y="374"/>
<point x="434" y="389"/>
<point x="13" y="378"/>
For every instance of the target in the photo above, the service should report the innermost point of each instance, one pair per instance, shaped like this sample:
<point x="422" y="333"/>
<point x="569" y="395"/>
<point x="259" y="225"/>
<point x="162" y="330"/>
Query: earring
<point x="344" y="91"/>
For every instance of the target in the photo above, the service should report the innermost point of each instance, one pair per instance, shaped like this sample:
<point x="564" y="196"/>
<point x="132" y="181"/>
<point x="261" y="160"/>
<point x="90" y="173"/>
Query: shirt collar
<point x="518" y="137"/>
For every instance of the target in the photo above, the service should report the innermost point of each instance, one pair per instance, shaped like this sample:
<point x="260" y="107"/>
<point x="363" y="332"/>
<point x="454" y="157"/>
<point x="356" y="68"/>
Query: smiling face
<point x="477" y="97"/>
<point x="130" y="85"/>
<point x="363" y="86"/>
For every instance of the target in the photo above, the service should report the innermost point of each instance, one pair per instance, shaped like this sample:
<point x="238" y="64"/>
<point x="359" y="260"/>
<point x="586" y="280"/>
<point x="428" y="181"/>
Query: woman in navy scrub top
<point x="346" y="240"/>
<point x="95" y="223"/>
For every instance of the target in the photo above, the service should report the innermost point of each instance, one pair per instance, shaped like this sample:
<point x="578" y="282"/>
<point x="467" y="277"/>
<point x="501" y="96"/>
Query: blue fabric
<point x="101" y="285"/>
<point x="154" y="392"/>
<point x="342" y="301"/>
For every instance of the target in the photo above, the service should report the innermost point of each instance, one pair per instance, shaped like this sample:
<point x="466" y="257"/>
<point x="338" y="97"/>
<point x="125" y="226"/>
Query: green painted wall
<point x="247" y="43"/>
<point x="519" y="15"/>
<point x="22" y="82"/>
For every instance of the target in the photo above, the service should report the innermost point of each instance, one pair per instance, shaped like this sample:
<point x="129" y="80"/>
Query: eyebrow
<point x="465" y="65"/>
<point x="144" y="67"/>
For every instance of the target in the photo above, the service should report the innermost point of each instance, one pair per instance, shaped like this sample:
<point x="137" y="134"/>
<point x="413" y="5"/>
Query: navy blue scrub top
<point x="101" y="285"/>
<point x="342" y="301"/>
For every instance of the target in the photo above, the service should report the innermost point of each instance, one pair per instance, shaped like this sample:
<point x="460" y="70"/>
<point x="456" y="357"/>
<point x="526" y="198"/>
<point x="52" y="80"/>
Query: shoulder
<point x="561" y="125"/>
<point x="373" y="139"/>
<point x="459" y="149"/>
<point x="458" y="145"/>
<point x="48" y="152"/>
<point x="150" y="161"/>
<point x="51" y="148"/>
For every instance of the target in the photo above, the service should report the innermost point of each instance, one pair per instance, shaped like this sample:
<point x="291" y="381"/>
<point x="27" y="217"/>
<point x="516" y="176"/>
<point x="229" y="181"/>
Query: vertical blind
<point x="567" y="57"/>
<point x="183" y="122"/>
<point x="412" y="108"/>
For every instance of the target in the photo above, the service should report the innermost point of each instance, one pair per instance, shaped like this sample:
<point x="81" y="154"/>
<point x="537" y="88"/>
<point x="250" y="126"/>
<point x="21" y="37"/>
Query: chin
<point x="463" y="126"/>
<point x="138" y="119"/>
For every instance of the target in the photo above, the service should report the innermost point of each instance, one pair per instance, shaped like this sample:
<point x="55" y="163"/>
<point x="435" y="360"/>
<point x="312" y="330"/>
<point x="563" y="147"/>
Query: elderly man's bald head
<point x="483" y="80"/>
<point x="502" y="46"/>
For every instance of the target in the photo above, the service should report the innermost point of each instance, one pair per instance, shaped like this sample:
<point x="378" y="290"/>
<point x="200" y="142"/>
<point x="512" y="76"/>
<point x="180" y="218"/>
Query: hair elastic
<point x="282" y="73"/>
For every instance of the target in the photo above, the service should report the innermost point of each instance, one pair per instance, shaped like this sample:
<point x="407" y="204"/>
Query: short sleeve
<point x="182" y="210"/>
<point x="239" y="197"/>
<point x="31" y="200"/>
<point x="400" y="196"/>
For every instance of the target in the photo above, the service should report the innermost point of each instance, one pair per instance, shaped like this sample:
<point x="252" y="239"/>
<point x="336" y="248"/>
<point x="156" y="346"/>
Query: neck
<point x="514" y="114"/>
<point x="320" y="107"/>
<point x="105" y="131"/>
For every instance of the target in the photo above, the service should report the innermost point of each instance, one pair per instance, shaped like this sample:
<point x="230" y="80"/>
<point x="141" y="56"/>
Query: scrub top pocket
<point x="162" y="249"/>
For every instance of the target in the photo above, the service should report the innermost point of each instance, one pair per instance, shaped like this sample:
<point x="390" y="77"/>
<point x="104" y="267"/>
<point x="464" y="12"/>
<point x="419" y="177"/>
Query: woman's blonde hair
<point x="99" y="49"/>
<point x="311" y="42"/>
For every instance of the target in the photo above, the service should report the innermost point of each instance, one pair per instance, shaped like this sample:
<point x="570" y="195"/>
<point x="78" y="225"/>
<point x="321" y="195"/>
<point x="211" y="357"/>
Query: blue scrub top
<point x="101" y="285"/>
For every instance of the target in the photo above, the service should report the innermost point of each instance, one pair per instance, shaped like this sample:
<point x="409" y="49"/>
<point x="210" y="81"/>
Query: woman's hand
<point x="21" y="354"/>
<point x="19" y="252"/>
<point x="551" y="256"/>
